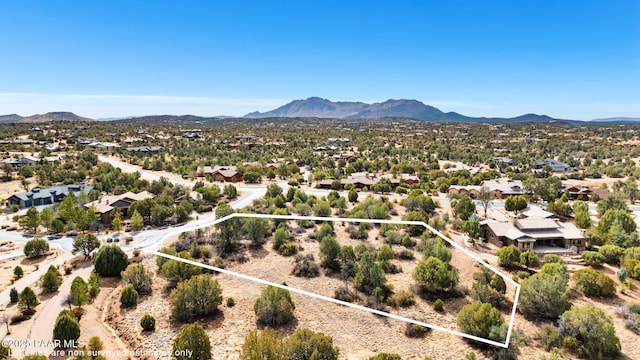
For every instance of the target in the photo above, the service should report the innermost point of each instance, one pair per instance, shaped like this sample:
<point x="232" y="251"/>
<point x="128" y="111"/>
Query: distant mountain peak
<point x="399" y="108"/>
<point x="50" y="116"/>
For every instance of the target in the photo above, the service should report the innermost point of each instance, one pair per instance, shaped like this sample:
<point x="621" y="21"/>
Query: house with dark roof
<point x="555" y="165"/>
<point x="52" y="195"/>
<point x="504" y="160"/>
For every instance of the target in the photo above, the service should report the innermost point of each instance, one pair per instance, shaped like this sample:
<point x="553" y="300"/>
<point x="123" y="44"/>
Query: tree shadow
<point x="34" y="260"/>
<point x="45" y="296"/>
<point x="282" y="330"/>
<point x="211" y="321"/>
<point x="257" y="252"/>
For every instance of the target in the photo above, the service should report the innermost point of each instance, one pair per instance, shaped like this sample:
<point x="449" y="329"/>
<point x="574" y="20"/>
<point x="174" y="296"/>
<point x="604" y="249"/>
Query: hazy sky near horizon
<point x="565" y="59"/>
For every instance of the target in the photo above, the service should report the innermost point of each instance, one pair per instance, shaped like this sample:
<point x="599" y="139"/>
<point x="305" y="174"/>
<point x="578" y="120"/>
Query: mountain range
<point x="50" y="116"/>
<point x="315" y="107"/>
<point x="413" y="109"/>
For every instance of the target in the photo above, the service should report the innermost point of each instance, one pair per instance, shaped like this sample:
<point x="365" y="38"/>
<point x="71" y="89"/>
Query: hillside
<point x="50" y="116"/>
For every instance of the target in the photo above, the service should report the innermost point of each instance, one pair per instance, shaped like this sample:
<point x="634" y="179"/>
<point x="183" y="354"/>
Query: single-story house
<point x="584" y="192"/>
<point x="30" y="161"/>
<point x="107" y="203"/>
<point x="555" y="165"/>
<point x="223" y="173"/>
<point x="504" y="160"/>
<point x="577" y="192"/>
<point x="529" y="233"/>
<point x="54" y="194"/>
<point x="345" y="157"/>
<point x="102" y="145"/>
<point x="504" y="187"/>
<point x="325" y="148"/>
<point x="144" y="149"/>
<point x="409" y="179"/>
<point x="501" y="188"/>
<point x="86" y="141"/>
<point x="470" y="190"/>
<point x="361" y="180"/>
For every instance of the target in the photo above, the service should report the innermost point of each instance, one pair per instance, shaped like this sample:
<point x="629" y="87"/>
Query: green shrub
<point x="193" y="342"/>
<point x="438" y="305"/>
<point x="305" y="266"/>
<point x="66" y="327"/>
<point x="544" y="295"/>
<point x="139" y="277"/>
<point x="230" y="302"/>
<point x="18" y="272"/>
<point x="288" y="249"/>
<point x="594" y="283"/>
<point x="631" y="315"/>
<point x="529" y="259"/>
<point x="148" y="323"/>
<point x="479" y="319"/>
<point x="110" y="260"/>
<point x="274" y="306"/>
<point x="198" y="296"/>
<point x="342" y="293"/>
<point x="401" y="299"/>
<point x="550" y="336"/>
<point x="415" y="330"/>
<point x="36" y="247"/>
<point x="592" y="258"/>
<point x="129" y="296"/>
<point x="588" y="332"/>
<point x="612" y="254"/>
<point x="27" y="301"/>
<point x="5" y="351"/>
<point x="508" y="256"/>
<point x="306" y="344"/>
<point x="94" y="285"/>
<point x="552" y="258"/>
<point x="50" y="281"/>
<point x="386" y="356"/>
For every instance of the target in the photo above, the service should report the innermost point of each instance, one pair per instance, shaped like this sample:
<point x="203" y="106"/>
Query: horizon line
<point x="236" y="107"/>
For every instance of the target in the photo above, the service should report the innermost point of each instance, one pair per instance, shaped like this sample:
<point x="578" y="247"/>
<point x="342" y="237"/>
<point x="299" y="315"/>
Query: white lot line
<point x="354" y="306"/>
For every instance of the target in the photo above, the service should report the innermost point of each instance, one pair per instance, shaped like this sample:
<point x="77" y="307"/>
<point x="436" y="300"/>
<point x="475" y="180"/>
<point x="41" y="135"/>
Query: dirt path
<point x="42" y="329"/>
<point x="59" y="258"/>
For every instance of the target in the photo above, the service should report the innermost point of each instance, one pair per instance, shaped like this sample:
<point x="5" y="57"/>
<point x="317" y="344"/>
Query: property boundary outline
<point x="347" y="304"/>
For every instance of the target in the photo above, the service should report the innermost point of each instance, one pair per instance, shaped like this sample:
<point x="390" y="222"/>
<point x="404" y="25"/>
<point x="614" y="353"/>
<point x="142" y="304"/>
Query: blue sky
<point x="566" y="59"/>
